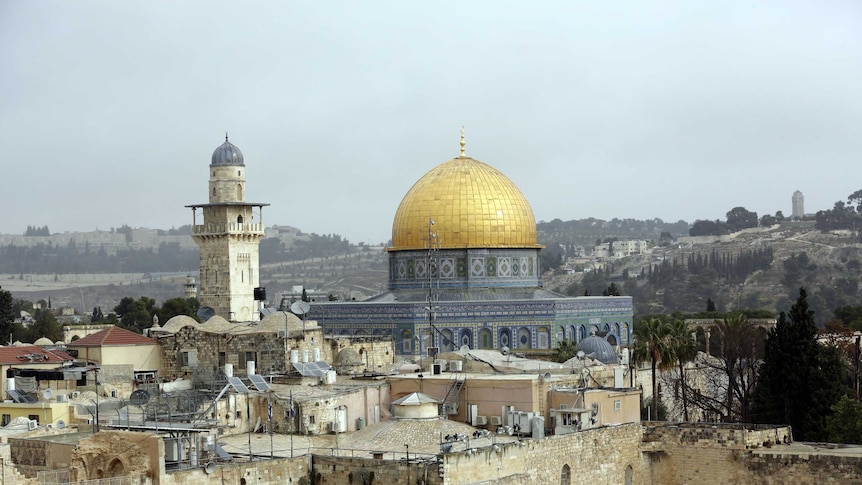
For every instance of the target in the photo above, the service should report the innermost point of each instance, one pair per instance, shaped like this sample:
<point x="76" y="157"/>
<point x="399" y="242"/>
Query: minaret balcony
<point x="232" y="228"/>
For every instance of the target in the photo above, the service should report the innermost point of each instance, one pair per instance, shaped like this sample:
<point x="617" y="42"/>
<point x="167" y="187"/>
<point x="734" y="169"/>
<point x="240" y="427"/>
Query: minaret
<point x="229" y="239"/>
<point x="191" y="287"/>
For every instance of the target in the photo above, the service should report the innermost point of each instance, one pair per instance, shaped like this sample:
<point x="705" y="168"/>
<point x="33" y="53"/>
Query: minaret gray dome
<point x="599" y="349"/>
<point x="227" y="154"/>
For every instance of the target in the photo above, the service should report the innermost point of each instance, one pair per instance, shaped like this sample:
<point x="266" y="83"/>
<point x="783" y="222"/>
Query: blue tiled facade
<point x="517" y="324"/>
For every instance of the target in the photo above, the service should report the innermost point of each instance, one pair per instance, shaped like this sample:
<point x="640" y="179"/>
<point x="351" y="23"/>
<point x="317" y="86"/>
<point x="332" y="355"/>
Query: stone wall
<point x="271" y="351"/>
<point x="362" y="354"/>
<point x="606" y="455"/>
<point x="261" y="472"/>
<point x="603" y="455"/>
<point x="777" y="467"/>
<point x="368" y="471"/>
<point x="738" y="454"/>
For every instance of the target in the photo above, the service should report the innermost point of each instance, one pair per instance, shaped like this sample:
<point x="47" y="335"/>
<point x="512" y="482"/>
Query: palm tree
<point x="682" y="349"/>
<point x="651" y="344"/>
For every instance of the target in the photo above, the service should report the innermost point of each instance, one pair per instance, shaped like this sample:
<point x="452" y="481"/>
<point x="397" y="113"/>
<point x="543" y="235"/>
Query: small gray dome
<point x="227" y="154"/>
<point x="599" y="349"/>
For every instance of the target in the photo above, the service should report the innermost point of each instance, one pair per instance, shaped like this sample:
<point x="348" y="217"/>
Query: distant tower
<point x="191" y="288"/>
<point x="229" y="239"/>
<point x="798" y="201"/>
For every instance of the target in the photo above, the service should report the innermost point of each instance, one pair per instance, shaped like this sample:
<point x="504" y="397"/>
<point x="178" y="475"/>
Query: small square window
<point x="617" y="405"/>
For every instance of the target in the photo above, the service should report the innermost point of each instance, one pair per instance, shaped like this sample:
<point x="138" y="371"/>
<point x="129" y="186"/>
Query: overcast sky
<point x="110" y="111"/>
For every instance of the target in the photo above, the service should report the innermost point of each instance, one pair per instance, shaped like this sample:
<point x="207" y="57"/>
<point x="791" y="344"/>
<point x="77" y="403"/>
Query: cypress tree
<point x="800" y="379"/>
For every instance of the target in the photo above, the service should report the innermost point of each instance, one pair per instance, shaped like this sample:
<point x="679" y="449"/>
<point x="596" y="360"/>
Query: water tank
<point x="10" y="384"/>
<point x="294" y="356"/>
<point x="249" y="367"/>
<point x="316" y="354"/>
<point x="228" y="370"/>
<point x="305" y="355"/>
<point x="455" y="365"/>
<point x="360" y="423"/>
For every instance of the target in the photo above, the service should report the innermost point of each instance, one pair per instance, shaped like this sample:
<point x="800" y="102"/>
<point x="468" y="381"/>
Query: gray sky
<point x="109" y="111"/>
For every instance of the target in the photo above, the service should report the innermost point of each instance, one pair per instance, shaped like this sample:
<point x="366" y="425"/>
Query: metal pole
<point x="269" y="413"/>
<point x="248" y="423"/>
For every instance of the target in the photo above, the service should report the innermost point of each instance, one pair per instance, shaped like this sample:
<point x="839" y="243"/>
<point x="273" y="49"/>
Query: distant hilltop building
<point x="229" y="239"/>
<point x="798" y="201"/>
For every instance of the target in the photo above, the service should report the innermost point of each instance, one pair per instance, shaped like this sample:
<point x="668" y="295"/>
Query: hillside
<point x="826" y="264"/>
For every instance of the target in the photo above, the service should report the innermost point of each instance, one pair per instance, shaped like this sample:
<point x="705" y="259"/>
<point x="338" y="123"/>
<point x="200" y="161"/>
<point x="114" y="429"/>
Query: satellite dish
<point x="205" y="313"/>
<point x="139" y="397"/>
<point x="61" y="424"/>
<point x="46" y="394"/>
<point x="464" y="349"/>
<point x="580" y="354"/>
<point x="300" y="307"/>
<point x="504" y="350"/>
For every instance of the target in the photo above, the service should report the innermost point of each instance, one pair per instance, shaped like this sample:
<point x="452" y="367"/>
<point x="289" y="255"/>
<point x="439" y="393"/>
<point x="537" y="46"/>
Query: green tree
<point x="178" y="306"/>
<point x="800" y="379"/>
<point x="740" y="218"/>
<point x="136" y="315"/>
<point x="45" y="324"/>
<point x="564" y="351"/>
<point x="844" y="425"/>
<point x="7" y="313"/>
<point x="611" y="290"/>
<point x="682" y="349"/>
<point x="710" y="305"/>
<point x="652" y="344"/>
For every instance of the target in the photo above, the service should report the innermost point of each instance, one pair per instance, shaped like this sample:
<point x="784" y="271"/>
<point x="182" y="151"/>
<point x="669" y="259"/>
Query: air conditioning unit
<point x="335" y="427"/>
<point x="496" y="421"/>
<point x="32" y="424"/>
<point x="481" y="420"/>
<point x="564" y="406"/>
<point x="74" y="394"/>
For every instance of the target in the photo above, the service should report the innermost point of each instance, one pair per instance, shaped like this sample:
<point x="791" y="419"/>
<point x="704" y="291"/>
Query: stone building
<point x="229" y="235"/>
<point x="798" y="205"/>
<point x="464" y="269"/>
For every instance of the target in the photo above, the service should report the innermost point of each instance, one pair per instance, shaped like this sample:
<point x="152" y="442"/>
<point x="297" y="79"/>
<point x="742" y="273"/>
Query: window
<point x="222" y="359"/>
<point x="189" y="358"/>
<point x="7" y="418"/>
<point x="249" y="357"/>
<point x="617" y="405"/>
<point x="34" y="417"/>
<point x="239" y="415"/>
<point x="310" y="419"/>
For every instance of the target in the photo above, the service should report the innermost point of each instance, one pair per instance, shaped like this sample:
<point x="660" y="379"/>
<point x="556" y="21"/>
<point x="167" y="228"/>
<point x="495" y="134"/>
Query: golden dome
<point x="473" y="205"/>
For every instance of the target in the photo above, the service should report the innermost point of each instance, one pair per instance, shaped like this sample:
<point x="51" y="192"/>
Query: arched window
<point x="505" y="338"/>
<point x="485" y="339"/>
<point x="566" y="475"/>
<point x="524" y="338"/>
<point x="239" y="219"/>
<point x="406" y="341"/>
<point x="466" y="338"/>
<point x="239" y="191"/>
<point x="447" y="345"/>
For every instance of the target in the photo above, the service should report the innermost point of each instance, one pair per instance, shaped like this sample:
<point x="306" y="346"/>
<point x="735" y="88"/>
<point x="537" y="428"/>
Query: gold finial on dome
<point x="463" y="143"/>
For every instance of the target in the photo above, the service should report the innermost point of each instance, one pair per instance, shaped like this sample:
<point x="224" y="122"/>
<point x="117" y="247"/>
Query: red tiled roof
<point x="27" y="354"/>
<point x="112" y="336"/>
